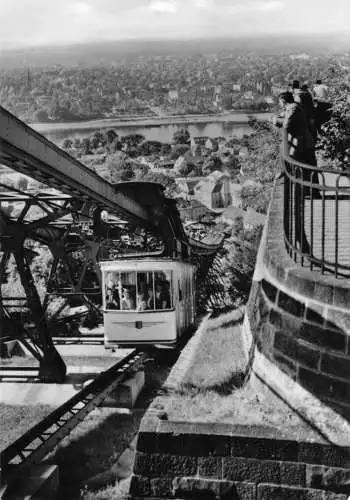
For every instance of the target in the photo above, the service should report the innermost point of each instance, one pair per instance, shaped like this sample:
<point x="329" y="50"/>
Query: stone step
<point x="125" y="395"/>
<point x="270" y="491"/>
<point x="186" y="488"/>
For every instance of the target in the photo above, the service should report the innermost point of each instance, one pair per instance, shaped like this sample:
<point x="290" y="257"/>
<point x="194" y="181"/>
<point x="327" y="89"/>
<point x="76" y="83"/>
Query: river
<point x="228" y="125"/>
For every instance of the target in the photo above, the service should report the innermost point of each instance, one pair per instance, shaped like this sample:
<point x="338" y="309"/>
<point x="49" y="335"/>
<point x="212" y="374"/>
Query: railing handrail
<point x="308" y="190"/>
<point x="284" y="149"/>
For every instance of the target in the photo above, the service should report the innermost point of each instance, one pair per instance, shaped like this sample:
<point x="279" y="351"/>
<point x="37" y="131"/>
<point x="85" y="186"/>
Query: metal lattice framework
<point x="67" y="218"/>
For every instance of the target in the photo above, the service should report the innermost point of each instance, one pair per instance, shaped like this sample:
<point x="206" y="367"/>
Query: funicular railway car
<point x="147" y="301"/>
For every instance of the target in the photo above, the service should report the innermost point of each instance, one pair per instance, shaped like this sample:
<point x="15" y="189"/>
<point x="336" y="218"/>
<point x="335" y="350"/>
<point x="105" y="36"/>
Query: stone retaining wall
<point x="182" y="460"/>
<point x="300" y="320"/>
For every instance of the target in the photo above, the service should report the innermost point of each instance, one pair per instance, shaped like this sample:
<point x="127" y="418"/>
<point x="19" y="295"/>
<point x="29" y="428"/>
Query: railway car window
<point x="163" y="288"/>
<point x="112" y="292"/>
<point x="145" y="291"/>
<point x="127" y="285"/>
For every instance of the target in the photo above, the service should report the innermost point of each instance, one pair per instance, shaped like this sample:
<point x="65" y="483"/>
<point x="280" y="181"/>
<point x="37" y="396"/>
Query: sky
<point x="26" y="23"/>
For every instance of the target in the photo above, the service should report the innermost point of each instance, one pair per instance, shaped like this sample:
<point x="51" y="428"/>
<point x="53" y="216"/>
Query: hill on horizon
<point x="95" y="53"/>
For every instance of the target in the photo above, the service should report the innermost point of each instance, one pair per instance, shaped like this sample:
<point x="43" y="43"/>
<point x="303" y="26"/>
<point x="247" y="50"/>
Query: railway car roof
<point x="150" y="264"/>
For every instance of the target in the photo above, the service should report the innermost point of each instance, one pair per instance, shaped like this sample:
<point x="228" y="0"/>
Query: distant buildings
<point x="215" y="191"/>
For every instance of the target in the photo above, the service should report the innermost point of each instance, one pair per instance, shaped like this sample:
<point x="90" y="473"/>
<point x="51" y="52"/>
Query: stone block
<point x="275" y="492"/>
<point x="334" y="479"/>
<point x="140" y="486"/>
<point x="336" y="365"/>
<point x="322" y="337"/>
<point x="324" y="292"/>
<point x="293" y="474"/>
<point x="291" y="305"/>
<point x="300" y="353"/>
<point x="265" y="449"/>
<point x="318" y="454"/>
<point x="190" y="487"/>
<point x="210" y="467"/>
<point x="266" y="338"/>
<point x="341" y="296"/>
<point x="315" y="313"/>
<point x="291" y="324"/>
<point x="287" y="365"/>
<point x="263" y="306"/>
<point x="157" y="465"/>
<point x="161" y="487"/>
<point x="269" y="290"/>
<point x="243" y="491"/>
<point x="324" y="386"/>
<point x="125" y="395"/>
<point x="148" y="442"/>
<point x="339" y="319"/>
<point x="248" y="469"/>
<point x="300" y="280"/>
<point x="276" y="318"/>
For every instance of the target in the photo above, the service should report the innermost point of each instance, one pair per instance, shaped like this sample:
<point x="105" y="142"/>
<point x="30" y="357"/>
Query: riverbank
<point x="150" y="121"/>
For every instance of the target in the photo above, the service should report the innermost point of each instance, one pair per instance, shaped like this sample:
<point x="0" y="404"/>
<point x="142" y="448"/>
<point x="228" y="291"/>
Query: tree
<point x="77" y="143"/>
<point x="86" y="146"/>
<point x="262" y="161"/>
<point x="110" y="136"/>
<point x="166" y="149"/>
<point x="150" y="147"/>
<point x="98" y="139"/>
<point x="67" y="143"/>
<point x="132" y="140"/>
<point x="182" y="136"/>
<point x="256" y="196"/>
<point x="179" y="150"/>
<point x="335" y="140"/>
<point x="232" y="165"/>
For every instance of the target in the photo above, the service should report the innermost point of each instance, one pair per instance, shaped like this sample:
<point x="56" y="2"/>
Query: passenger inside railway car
<point x="139" y="291"/>
<point x="150" y="299"/>
<point x="141" y="301"/>
<point x="112" y="294"/>
<point x="112" y="298"/>
<point x="161" y="299"/>
<point x="128" y="301"/>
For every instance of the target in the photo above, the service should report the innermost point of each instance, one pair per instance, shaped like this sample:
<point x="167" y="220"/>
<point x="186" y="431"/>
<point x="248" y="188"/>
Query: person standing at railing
<point x="300" y="148"/>
<point x="307" y="102"/>
<point x="302" y="96"/>
<point x="293" y="119"/>
<point x="323" y="107"/>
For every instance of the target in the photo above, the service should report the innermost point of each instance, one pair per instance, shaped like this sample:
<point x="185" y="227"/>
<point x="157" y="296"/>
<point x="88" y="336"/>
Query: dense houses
<point x="155" y="85"/>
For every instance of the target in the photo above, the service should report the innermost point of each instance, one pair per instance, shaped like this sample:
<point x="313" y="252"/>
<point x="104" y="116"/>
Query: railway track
<point x="37" y="442"/>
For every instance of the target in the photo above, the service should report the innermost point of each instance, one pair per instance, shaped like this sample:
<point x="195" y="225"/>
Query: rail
<point x="34" y="445"/>
<point x="316" y="214"/>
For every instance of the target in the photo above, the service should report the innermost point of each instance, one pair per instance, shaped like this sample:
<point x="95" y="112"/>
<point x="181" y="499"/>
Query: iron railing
<point x="316" y="214"/>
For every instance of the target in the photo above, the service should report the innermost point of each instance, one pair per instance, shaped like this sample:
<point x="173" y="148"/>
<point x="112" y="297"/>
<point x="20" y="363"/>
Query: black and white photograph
<point x="175" y="250"/>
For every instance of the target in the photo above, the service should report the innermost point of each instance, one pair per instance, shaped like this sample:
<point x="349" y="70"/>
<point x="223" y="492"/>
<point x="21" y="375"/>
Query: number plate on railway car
<point x="138" y="325"/>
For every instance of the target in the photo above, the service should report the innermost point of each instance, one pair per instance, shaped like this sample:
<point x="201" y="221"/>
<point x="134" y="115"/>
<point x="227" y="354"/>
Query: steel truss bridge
<point x="67" y="217"/>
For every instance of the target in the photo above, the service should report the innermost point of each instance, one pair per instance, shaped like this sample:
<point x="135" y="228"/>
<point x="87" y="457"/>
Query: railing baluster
<point x="303" y="182"/>
<point x="336" y="227"/>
